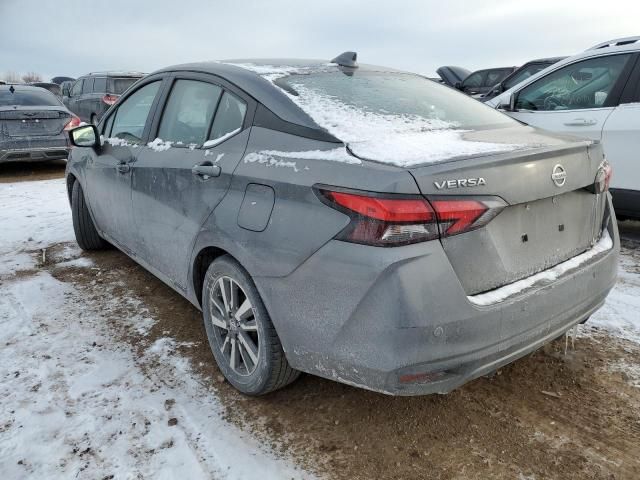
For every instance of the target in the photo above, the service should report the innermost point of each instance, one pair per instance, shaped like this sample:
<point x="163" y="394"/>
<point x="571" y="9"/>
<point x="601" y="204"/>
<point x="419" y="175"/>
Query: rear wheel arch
<point x="71" y="179"/>
<point x="203" y="259"/>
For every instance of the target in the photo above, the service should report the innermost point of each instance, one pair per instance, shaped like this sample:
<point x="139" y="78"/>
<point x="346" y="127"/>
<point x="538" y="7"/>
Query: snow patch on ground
<point x="79" y="403"/>
<point x="19" y="261"/>
<point x="34" y="215"/>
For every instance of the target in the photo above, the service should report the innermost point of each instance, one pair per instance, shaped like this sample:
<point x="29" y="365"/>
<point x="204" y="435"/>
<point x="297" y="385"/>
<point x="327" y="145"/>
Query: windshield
<point x="401" y="118"/>
<point x="524" y="73"/>
<point x="119" y="85"/>
<point x="28" y="98"/>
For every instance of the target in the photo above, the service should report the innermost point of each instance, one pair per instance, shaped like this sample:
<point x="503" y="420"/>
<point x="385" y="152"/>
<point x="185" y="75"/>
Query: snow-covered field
<point x="77" y="402"/>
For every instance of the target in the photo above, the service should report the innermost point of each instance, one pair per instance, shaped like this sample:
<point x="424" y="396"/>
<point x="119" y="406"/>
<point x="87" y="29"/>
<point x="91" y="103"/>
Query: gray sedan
<point x="33" y="124"/>
<point x="354" y="222"/>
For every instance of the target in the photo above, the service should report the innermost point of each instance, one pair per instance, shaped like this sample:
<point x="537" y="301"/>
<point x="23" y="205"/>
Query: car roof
<point x="115" y="74"/>
<point x="22" y="87"/>
<point x="546" y="60"/>
<point x="245" y="74"/>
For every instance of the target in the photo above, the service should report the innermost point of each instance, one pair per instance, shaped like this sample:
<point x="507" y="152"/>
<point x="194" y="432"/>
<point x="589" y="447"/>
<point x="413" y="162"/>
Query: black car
<point x="522" y="73"/>
<point x="482" y="81"/>
<point x="33" y="124"/>
<point x="452" y="75"/>
<point x="92" y="95"/>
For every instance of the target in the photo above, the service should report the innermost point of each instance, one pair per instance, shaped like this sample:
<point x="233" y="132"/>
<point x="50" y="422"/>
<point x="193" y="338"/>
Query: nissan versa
<point x="354" y="222"/>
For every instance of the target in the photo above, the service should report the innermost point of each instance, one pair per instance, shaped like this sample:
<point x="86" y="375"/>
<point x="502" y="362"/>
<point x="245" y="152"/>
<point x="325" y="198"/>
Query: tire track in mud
<point x="499" y="427"/>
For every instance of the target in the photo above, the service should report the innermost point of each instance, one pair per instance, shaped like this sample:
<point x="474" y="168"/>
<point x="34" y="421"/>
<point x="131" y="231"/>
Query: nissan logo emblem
<point x="559" y="175"/>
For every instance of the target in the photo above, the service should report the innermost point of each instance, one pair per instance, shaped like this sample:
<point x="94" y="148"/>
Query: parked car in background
<point x="355" y="222"/>
<point x="59" y="80"/>
<point x="52" y="87"/>
<point x="33" y="124"/>
<point x="525" y="71"/>
<point x="91" y="95"/>
<point x="594" y="94"/>
<point x="482" y="81"/>
<point x="452" y="75"/>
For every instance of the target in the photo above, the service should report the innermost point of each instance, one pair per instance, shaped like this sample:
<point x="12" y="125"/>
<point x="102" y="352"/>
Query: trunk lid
<point x="544" y="223"/>
<point x="32" y="121"/>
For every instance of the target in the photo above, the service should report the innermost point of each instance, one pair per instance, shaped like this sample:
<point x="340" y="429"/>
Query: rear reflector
<point x="392" y="220"/>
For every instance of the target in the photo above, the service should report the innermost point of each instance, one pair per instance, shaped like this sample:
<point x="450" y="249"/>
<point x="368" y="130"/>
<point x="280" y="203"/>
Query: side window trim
<point x="631" y="91"/>
<point x="171" y="77"/>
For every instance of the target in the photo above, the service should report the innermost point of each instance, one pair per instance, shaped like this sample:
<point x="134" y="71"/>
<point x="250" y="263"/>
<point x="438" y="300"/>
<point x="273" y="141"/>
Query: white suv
<point x="595" y="94"/>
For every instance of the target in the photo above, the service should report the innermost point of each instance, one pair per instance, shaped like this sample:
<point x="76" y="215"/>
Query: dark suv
<point x="92" y="95"/>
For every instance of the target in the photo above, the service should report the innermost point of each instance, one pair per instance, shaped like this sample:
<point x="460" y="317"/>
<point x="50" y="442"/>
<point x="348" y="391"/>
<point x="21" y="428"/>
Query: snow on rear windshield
<point x="28" y="98"/>
<point x="397" y="118"/>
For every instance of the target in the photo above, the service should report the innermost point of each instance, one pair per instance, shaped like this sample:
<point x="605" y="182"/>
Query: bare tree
<point x="31" y="77"/>
<point x="11" y="77"/>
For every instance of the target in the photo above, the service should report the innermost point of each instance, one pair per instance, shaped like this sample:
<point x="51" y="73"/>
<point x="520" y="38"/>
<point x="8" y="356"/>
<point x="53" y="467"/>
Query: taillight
<point x="459" y="215"/>
<point x="383" y="220"/>
<point x="603" y="177"/>
<point x="392" y="220"/>
<point x="73" y="123"/>
<point x="110" y="99"/>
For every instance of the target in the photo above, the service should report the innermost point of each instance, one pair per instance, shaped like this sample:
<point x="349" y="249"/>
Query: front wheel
<point x="242" y="338"/>
<point x="86" y="234"/>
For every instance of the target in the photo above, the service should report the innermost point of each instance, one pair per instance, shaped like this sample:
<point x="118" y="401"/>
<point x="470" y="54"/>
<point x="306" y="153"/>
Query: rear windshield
<point x="344" y="102"/>
<point x="28" y="98"/>
<point x="118" y="86"/>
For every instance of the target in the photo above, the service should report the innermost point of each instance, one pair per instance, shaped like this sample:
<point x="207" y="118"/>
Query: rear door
<point x="85" y="100"/>
<point x="74" y="95"/>
<point x="202" y="133"/>
<point x="621" y="137"/>
<point x="108" y="173"/>
<point x="578" y="98"/>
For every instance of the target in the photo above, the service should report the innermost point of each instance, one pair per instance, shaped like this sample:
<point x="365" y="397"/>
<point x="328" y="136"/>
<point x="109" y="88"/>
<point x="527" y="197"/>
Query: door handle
<point x="581" y="122"/>
<point x="123" y="167"/>
<point x="206" y="170"/>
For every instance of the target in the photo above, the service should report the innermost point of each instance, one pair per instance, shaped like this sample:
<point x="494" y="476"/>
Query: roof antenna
<point x="11" y="89"/>
<point x="346" y="59"/>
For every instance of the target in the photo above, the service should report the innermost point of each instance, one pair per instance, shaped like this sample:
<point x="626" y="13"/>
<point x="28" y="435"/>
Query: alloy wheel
<point x="234" y="324"/>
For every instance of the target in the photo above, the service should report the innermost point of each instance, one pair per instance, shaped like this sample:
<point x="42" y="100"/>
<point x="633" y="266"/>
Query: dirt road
<point x="550" y="415"/>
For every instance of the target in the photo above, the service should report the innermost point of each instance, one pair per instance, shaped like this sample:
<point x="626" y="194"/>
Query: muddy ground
<point x="549" y="415"/>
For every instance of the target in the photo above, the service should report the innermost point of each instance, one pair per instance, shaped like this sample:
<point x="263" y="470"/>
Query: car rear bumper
<point x="34" y="149"/>
<point x="398" y="321"/>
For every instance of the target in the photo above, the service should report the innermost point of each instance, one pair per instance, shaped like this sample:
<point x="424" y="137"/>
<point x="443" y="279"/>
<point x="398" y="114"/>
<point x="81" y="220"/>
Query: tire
<point x="86" y="233"/>
<point x="229" y="334"/>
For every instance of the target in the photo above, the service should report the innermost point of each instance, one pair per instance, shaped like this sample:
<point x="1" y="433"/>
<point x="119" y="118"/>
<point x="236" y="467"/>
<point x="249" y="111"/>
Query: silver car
<point x="354" y="222"/>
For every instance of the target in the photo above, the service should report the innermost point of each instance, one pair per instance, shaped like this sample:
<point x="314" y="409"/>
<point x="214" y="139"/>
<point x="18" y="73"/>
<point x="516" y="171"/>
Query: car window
<point x="118" y="86"/>
<point x="77" y="88"/>
<point x="524" y="73"/>
<point x="28" y="98"/>
<point x="229" y="117"/>
<point x="87" y="86"/>
<point x="131" y="116"/>
<point x="108" y="124"/>
<point x="188" y="113"/>
<point x="100" y="85"/>
<point x="473" y="80"/>
<point x="585" y="84"/>
<point x="495" y="76"/>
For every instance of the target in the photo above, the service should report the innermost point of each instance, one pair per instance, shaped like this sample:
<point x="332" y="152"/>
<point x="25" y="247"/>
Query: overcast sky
<point x="73" y="37"/>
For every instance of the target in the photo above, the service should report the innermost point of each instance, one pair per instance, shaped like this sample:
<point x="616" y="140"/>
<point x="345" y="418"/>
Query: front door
<point x="108" y="173"/>
<point x="576" y="99"/>
<point x="180" y="177"/>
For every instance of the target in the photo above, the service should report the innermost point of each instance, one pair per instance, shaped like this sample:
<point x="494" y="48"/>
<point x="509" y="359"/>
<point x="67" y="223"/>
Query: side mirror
<point x="85" y="136"/>
<point x="511" y="106"/>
